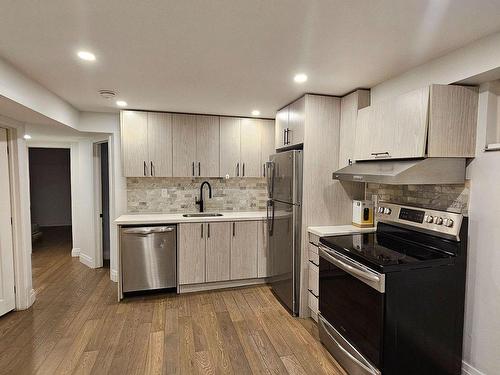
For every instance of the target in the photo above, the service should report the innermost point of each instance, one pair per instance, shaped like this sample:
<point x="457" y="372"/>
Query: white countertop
<point x="129" y="219"/>
<point x="338" y="230"/>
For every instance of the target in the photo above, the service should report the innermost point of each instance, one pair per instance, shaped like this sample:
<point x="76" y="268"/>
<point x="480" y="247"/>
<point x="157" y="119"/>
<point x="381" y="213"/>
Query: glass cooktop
<point x="381" y="251"/>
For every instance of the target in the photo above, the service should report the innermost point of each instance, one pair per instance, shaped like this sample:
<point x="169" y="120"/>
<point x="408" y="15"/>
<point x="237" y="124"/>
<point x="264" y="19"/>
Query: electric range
<point x="392" y="302"/>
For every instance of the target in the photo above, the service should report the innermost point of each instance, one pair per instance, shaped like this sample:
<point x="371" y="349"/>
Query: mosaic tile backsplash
<point x="172" y="195"/>
<point x="453" y="198"/>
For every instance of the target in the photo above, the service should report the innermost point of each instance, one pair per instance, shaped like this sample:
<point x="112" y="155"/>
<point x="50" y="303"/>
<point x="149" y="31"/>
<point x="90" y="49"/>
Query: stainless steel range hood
<point x="405" y="172"/>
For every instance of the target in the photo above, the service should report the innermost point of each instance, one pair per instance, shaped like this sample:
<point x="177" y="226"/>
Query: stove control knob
<point x="381" y="209"/>
<point x="387" y="211"/>
<point x="438" y="220"/>
<point x="428" y="218"/>
<point x="448" y="223"/>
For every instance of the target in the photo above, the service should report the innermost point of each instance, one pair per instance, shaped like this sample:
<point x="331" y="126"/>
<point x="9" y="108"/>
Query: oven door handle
<point x="373" y="280"/>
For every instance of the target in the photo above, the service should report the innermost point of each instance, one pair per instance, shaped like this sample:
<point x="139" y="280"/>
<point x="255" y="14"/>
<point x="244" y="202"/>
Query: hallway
<point x="77" y="326"/>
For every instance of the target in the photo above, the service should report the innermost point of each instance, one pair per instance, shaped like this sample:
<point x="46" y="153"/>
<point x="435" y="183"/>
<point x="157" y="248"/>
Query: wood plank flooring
<point x="76" y="326"/>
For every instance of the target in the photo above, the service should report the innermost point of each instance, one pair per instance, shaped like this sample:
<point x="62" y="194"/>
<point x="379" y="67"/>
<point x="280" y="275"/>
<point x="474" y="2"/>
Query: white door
<point x="7" y="297"/>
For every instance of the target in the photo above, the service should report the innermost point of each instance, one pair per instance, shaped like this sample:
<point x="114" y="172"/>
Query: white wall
<point x="482" y="317"/>
<point x="17" y="87"/>
<point x="110" y="123"/>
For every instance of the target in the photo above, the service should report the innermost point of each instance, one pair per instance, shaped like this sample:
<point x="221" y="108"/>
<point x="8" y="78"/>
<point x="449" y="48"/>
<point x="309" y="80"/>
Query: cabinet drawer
<point x="313" y="255"/>
<point x="313" y="279"/>
<point x="313" y="302"/>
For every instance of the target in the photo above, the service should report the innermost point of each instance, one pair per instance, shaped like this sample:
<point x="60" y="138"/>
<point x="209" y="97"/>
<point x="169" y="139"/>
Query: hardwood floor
<point x="77" y="326"/>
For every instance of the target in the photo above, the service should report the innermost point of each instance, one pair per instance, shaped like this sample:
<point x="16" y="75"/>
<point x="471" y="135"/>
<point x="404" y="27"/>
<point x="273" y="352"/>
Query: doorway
<point x="50" y="197"/>
<point x="101" y="174"/>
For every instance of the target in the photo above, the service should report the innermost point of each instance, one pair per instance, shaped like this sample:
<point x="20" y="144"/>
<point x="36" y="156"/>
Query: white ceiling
<point x="229" y="56"/>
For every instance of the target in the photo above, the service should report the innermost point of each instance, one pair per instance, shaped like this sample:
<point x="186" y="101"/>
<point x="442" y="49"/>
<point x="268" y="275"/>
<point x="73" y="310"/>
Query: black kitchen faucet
<point x="200" y="201"/>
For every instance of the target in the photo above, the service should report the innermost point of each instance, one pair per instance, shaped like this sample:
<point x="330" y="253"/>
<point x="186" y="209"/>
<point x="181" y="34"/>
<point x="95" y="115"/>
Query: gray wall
<point x="50" y="186"/>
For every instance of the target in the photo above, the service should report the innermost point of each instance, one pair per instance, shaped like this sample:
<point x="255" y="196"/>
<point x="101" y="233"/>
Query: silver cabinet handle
<point x="284" y="137"/>
<point x="148" y="230"/>
<point x="238" y="169"/>
<point x="384" y="154"/>
<point x="199" y="169"/>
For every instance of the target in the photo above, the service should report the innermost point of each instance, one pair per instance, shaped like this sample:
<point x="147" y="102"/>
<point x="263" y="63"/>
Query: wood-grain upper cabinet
<point x="244" y="250"/>
<point x="183" y="145"/>
<point x="250" y="147"/>
<point x="191" y="253"/>
<point x="207" y="146"/>
<point x="296" y="120"/>
<point x="218" y="251"/>
<point x="439" y="120"/>
<point x="267" y="143"/>
<point x="281" y="128"/>
<point x="241" y="146"/>
<point x="146" y="144"/>
<point x="195" y="145"/>
<point x="349" y="106"/>
<point x="160" y="144"/>
<point x="230" y="147"/>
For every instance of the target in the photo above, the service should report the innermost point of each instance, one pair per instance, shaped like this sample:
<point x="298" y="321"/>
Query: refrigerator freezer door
<point x="286" y="184"/>
<point x="284" y="244"/>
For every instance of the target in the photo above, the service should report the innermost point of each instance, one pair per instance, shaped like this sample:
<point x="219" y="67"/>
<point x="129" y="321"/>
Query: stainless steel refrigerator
<point x="284" y="217"/>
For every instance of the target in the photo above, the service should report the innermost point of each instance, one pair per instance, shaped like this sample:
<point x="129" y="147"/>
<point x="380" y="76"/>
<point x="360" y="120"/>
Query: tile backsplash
<point x="171" y="195"/>
<point x="453" y="198"/>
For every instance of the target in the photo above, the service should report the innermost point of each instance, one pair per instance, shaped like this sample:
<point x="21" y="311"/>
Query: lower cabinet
<point x="191" y="253"/>
<point x="221" y="251"/>
<point x="244" y="250"/>
<point x="218" y="251"/>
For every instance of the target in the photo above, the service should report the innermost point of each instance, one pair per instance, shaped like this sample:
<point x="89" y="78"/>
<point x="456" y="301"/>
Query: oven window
<point x="353" y="308"/>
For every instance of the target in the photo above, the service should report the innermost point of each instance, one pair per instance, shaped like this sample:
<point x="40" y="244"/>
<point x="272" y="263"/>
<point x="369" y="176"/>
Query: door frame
<point x="98" y="257"/>
<point x="20" y="210"/>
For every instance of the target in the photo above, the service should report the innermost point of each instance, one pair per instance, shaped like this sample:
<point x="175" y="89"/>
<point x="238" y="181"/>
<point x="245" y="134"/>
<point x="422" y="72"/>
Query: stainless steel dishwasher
<point x="149" y="258"/>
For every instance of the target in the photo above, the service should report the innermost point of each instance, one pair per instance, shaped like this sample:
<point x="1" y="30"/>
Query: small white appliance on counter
<point x="362" y="214"/>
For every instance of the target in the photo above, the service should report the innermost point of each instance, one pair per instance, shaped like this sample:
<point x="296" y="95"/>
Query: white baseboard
<point x="467" y="369"/>
<point x="113" y="275"/>
<point x="88" y="261"/>
<point x="75" y="252"/>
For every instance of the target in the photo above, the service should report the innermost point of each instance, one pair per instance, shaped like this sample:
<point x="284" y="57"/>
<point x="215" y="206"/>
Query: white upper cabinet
<point x="146" y="144"/>
<point x="438" y="120"/>
<point x="296" y="121"/>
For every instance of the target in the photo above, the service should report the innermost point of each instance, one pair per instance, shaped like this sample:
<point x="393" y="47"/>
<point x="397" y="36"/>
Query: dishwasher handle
<point x="148" y="230"/>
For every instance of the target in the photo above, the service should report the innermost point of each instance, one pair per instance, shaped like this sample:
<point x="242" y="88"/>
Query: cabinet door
<point x="296" y="121"/>
<point x="244" y="250"/>
<point x="218" y="251"/>
<point x="183" y="145"/>
<point x="267" y="145"/>
<point x="250" y="148"/>
<point x="160" y="144"/>
<point x="230" y="146"/>
<point x="281" y="127"/>
<point x="363" y="141"/>
<point x="134" y="136"/>
<point x="350" y="105"/>
<point x="207" y="146"/>
<point x="191" y="253"/>
<point x="262" y="250"/>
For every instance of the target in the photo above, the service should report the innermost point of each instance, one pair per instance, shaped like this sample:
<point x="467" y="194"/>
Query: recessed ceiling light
<point x="27" y="136"/>
<point x="85" y="55"/>
<point x="121" y="103"/>
<point x="255" y="112"/>
<point x="300" y="78"/>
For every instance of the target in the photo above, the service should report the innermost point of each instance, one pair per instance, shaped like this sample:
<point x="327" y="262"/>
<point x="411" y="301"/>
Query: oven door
<point x="351" y="307"/>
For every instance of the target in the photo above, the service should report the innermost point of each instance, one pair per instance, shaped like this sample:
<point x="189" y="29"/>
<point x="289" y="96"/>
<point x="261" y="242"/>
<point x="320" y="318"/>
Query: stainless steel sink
<point x="203" y="214"/>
